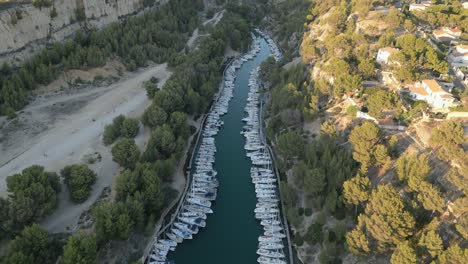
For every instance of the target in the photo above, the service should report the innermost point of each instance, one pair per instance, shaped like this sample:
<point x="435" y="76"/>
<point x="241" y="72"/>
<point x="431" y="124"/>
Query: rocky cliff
<point x="25" y="28"/>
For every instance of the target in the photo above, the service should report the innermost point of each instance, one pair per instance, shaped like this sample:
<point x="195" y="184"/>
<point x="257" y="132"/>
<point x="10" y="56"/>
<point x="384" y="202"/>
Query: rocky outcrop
<point x="25" y="28"/>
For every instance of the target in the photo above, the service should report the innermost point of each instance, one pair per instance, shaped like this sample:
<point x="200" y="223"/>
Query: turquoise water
<point x="231" y="232"/>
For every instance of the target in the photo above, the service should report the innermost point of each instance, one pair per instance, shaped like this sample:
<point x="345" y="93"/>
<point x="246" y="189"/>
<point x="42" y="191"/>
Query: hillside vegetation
<point x="355" y="192"/>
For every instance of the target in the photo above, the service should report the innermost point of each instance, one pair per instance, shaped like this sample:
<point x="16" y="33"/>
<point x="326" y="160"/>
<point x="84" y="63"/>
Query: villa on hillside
<point x="431" y="92"/>
<point x="446" y="34"/>
<point x="459" y="56"/>
<point x="384" y="54"/>
<point x="420" y="7"/>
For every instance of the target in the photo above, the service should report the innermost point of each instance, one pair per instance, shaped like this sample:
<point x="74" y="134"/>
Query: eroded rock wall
<point x="25" y="28"/>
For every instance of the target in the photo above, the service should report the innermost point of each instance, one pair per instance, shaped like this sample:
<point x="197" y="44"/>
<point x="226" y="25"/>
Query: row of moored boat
<point x="203" y="188"/>
<point x="277" y="54"/>
<point x="267" y="211"/>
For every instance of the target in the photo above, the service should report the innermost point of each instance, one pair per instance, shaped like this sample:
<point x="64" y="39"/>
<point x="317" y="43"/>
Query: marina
<point x="220" y="211"/>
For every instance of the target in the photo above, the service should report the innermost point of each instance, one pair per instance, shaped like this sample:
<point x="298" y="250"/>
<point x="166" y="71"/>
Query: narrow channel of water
<point x="231" y="233"/>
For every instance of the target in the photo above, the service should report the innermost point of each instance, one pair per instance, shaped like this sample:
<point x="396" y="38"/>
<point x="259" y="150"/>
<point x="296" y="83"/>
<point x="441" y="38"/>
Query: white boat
<point x="269" y="245"/>
<point x="168" y="242"/>
<point x="278" y="234"/>
<point x="262" y="216"/>
<point x="181" y="233"/>
<point x="266" y="210"/>
<point x="193" y="215"/>
<point x="193" y="221"/>
<point x="193" y="229"/>
<point x="270" y="222"/>
<point x="273" y="228"/>
<point x="199" y="201"/>
<point x="270" y="239"/>
<point x="267" y="260"/>
<point x="270" y="253"/>
<point x="200" y="209"/>
<point x="173" y="237"/>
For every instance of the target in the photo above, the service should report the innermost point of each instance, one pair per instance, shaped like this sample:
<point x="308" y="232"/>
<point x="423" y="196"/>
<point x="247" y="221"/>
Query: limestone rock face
<point x="25" y="28"/>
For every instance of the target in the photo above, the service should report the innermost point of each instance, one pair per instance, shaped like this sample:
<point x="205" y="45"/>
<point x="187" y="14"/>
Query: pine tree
<point x="80" y="249"/>
<point x="328" y="128"/>
<point x="13" y="94"/>
<point x="386" y="218"/>
<point x="314" y="181"/>
<point x="356" y="190"/>
<point x="448" y="138"/>
<point x="453" y="255"/>
<point x="462" y="226"/>
<point x="357" y="242"/>
<point x="126" y="153"/>
<point x="43" y="74"/>
<point x="27" y="79"/>
<point x="363" y="138"/>
<point x="392" y="146"/>
<point x="459" y="178"/>
<point x="432" y="243"/>
<point x="430" y="197"/>
<point x="381" y="156"/>
<point x="412" y="169"/>
<point x="404" y="254"/>
<point x="154" y="116"/>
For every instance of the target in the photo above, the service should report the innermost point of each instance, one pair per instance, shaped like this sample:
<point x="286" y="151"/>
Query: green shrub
<point x="301" y="211"/>
<point x="314" y="234"/>
<point x="352" y="110"/>
<point x="130" y="128"/>
<point x="298" y="239"/>
<point x="79" y="179"/>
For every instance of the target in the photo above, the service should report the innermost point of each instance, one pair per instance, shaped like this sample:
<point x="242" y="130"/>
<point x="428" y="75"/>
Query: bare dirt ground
<point x="194" y="39"/>
<point x="64" y="130"/>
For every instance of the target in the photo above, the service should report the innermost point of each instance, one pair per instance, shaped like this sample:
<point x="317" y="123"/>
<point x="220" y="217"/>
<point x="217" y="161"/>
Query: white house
<point x="459" y="56"/>
<point x="446" y="34"/>
<point x="465" y="5"/>
<point x="384" y="54"/>
<point x="431" y="92"/>
<point x="420" y="7"/>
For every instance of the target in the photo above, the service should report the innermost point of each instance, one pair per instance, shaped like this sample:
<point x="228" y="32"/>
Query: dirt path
<point x="196" y="33"/>
<point x="68" y="138"/>
<point x="215" y="19"/>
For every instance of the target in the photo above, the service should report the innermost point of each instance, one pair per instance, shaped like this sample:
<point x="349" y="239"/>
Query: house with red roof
<point x="446" y="34"/>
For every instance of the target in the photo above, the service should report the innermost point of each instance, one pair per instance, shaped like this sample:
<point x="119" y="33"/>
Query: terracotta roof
<point x="445" y="38"/>
<point x="453" y="30"/>
<point x="438" y="32"/>
<point x="389" y="49"/>
<point x="418" y="90"/>
<point x="433" y="85"/>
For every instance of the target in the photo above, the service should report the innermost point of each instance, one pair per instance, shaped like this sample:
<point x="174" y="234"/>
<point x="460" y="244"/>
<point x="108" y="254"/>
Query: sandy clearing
<point x="69" y="138"/>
